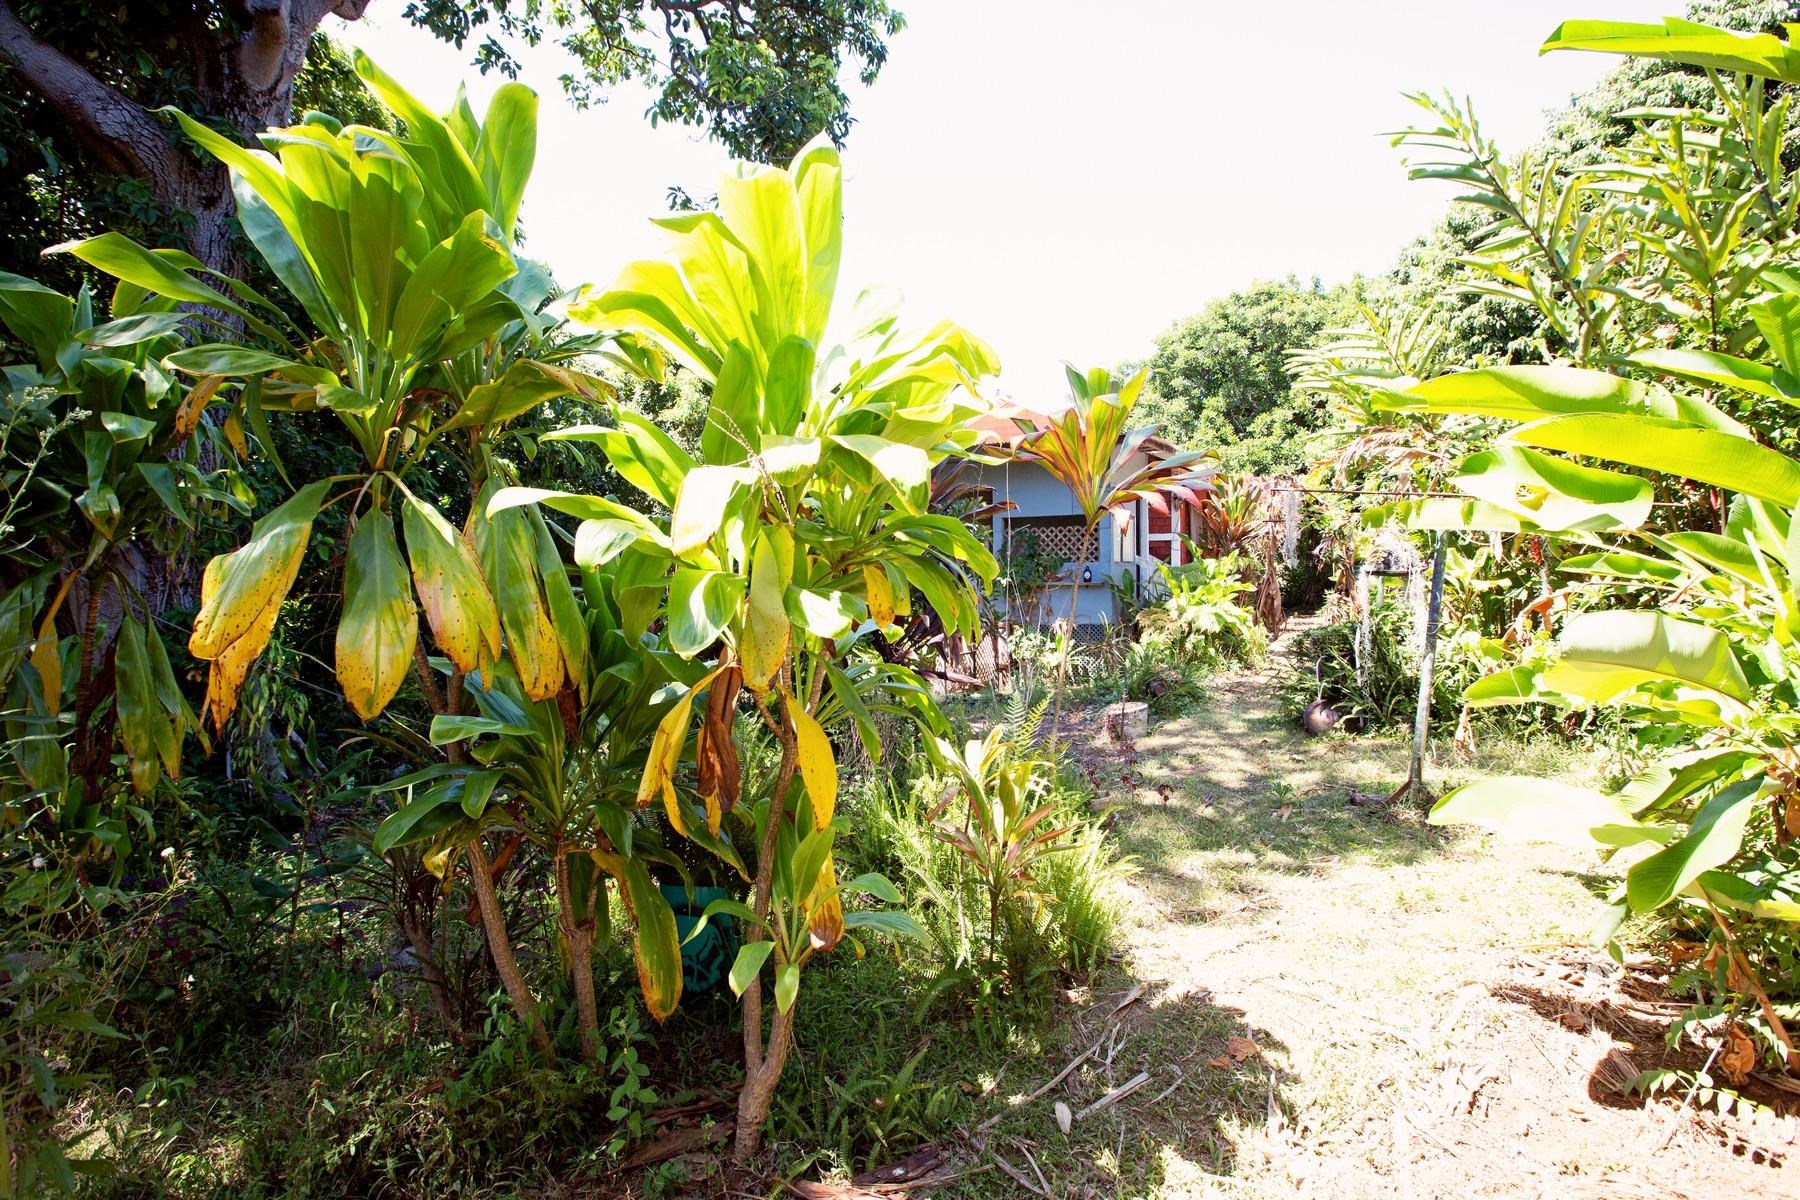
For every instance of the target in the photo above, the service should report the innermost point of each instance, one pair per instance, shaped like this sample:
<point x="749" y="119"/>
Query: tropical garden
<point x="472" y="732"/>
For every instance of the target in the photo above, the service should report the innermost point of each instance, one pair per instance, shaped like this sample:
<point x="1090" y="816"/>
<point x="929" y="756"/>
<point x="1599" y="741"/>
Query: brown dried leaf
<point x="1222" y="1063"/>
<point x="1737" y="1058"/>
<point x="1682" y="952"/>
<point x="1241" y="1048"/>
<point x="715" y="753"/>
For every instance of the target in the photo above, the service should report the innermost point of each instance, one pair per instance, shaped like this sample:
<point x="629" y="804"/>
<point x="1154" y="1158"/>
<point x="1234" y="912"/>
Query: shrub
<point x="1201" y="619"/>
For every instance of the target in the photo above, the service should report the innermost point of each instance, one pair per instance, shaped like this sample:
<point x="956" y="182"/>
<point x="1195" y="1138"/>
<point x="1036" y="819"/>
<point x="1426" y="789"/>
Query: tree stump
<point x="1126" y="722"/>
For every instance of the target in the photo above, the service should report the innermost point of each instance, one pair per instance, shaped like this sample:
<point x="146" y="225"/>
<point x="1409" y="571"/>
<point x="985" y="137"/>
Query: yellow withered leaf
<point x="244" y="582"/>
<point x="818" y="768"/>
<point x="825" y="922"/>
<point x="506" y="547"/>
<point x="187" y="415"/>
<point x="233" y="429"/>
<point x="655" y="945"/>
<point x="880" y="594"/>
<point x="231" y="666"/>
<point x="715" y="753"/>
<point x="46" y="651"/>
<point x="665" y="755"/>
<point x="380" y="623"/>
<point x="458" y="606"/>
<point x="765" y="644"/>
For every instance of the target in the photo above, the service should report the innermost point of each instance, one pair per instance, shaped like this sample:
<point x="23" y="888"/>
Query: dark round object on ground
<point x="1319" y="718"/>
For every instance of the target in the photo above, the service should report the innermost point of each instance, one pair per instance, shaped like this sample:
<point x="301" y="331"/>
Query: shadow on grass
<point x="873" y="1080"/>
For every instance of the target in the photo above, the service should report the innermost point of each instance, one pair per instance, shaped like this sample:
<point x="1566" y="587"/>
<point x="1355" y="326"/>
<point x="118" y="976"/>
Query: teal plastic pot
<point x="706" y="960"/>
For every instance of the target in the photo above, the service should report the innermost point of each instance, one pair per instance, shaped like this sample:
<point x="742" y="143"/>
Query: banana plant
<point x="799" y="527"/>
<point x="1091" y="449"/>
<point x="101" y="443"/>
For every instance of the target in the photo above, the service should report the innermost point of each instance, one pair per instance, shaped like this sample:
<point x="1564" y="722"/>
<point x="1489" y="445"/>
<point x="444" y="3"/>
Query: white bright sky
<point x="1067" y="178"/>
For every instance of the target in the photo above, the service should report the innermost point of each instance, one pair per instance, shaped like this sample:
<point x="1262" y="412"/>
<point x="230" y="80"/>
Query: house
<point x="1127" y="546"/>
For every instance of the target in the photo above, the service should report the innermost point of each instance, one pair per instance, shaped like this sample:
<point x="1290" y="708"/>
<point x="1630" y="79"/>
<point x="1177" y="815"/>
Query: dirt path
<point x="1428" y="1018"/>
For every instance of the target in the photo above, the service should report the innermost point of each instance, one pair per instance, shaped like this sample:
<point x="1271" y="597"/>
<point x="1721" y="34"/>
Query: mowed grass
<point x="1276" y="901"/>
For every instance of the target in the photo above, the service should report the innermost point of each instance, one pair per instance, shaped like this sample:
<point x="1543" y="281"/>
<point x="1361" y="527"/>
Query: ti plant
<point x="564" y="779"/>
<point x="101" y="446"/>
<point x="1002" y="829"/>
<point x="398" y="250"/>
<point x="800" y="527"/>
<point x="1091" y="449"/>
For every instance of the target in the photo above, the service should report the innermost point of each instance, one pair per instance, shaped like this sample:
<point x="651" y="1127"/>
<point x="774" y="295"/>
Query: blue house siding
<point x="1038" y="494"/>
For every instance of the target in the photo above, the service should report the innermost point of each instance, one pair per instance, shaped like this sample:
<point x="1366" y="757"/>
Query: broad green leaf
<point x="1677" y="776"/>
<point x="896" y="924"/>
<point x="1623" y="564"/>
<point x="144" y="727"/>
<point x="907" y="469"/>
<point x="1682" y="41"/>
<point x="1713" y="839"/>
<point x="1515" y="685"/>
<point x="749" y="963"/>
<point x="422" y="819"/>
<point x="524" y="386"/>
<point x="703" y="505"/>
<point x="822" y="616"/>
<point x="1438" y="513"/>
<point x="763" y="648"/>
<point x="1606" y="654"/>
<point x="1553" y="493"/>
<point x="226" y="360"/>
<point x="787" y="986"/>
<point x="1522" y="808"/>
<point x="1711" y="369"/>
<point x="380" y="623"/>
<point x="875" y="885"/>
<point x="1706" y="455"/>
<point x="1521" y="393"/>
<point x="477" y="787"/>
<point x="701" y="603"/>
<point x="448" y="728"/>
<point x="159" y="272"/>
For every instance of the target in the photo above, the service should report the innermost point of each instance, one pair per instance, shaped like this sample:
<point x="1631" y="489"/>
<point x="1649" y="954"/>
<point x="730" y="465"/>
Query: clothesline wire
<point x="1318" y="491"/>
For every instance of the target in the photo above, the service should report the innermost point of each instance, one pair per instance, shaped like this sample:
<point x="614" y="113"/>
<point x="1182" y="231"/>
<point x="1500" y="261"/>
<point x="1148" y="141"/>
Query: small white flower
<point x="168" y="852"/>
<point x="37" y="862"/>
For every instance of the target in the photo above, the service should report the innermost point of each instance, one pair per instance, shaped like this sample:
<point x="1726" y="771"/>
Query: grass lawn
<point x="1329" y="998"/>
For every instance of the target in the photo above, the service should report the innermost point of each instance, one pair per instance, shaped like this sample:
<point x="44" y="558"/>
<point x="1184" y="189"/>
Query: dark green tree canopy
<point x="1213" y="373"/>
<point x="82" y="147"/>
<point x="760" y="75"/>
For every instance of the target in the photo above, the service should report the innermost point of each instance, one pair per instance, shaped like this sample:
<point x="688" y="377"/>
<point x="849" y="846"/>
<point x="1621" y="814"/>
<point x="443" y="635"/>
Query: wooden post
<point x="1415" y="776"/>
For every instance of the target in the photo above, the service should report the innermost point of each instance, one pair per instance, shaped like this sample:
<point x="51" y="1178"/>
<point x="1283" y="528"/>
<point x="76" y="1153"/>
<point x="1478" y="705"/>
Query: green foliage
<point x="1665" y="262"/>
<point x="101" y="444"/>
<point x="1221" y="382"/>
<point x="763" y="79"/>
<point x="1201" y="619"/>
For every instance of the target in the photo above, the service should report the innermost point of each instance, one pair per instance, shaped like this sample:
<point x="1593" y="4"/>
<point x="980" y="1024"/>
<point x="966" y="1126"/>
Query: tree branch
<point x="124" y="137"/>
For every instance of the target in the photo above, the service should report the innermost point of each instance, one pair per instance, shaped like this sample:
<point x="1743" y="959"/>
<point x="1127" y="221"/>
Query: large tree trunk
<point x="246" y="80"/>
